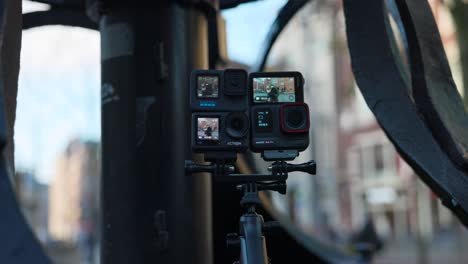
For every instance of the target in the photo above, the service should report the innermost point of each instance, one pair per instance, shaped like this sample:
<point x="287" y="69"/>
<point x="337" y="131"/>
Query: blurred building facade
<point x="33" y="199"/>
<point x="73" y="199"/>
<point x="360" y="174"/>
<point x="304" y="46"/>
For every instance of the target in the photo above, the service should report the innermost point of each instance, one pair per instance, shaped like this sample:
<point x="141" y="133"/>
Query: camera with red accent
<point x="280" y="120"/>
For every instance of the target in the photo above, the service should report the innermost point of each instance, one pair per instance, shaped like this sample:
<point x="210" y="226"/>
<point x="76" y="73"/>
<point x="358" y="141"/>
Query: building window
<point x="376" y="160"/>
<point x="378" y="157"/>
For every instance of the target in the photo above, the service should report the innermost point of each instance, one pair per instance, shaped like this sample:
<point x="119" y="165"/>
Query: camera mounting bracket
<point x="223" y="170"/>
<point x="220" y="157"/>
<point x="279" y="155"/>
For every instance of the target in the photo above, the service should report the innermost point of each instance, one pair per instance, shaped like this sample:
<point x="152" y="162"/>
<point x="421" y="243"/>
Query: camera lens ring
<point x="235" y="82"/>
<point x="295" y="118"/>
<point x="237" y="124"/>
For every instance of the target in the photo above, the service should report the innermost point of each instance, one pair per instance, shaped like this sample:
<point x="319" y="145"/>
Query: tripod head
<point x="252" y="227"/>
<point x="223" y="170"/>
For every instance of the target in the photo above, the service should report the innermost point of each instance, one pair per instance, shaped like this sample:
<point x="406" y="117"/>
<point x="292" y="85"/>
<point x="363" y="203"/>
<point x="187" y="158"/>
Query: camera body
<point x="218" y="100"/>
<point x="227" y="104"/>
<point x="279" y="117"/>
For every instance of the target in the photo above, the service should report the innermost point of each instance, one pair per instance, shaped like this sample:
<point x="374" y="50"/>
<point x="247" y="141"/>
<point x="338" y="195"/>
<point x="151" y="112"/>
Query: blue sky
<point x="59" y="83"/>
<point x="247" y="26"/>
<point x="58" y="95"/>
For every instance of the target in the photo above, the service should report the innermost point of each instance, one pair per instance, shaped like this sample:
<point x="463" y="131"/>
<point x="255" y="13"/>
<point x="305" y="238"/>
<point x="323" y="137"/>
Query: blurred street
<point x="63" y="254"/>
<point x="444" y="248"/>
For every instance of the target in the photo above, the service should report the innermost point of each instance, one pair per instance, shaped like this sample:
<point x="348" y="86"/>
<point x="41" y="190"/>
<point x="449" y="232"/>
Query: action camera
<point x="219" y="102"/>
<point x="279" y="117"/>
<point x="215" y="90"/>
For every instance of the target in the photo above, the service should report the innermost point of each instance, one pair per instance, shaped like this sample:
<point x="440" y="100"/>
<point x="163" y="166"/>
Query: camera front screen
<point x="274" y="90"/>
<point x="263" y="120"/>
<point x="208" y="130"/>
<point x="207" y="86"/>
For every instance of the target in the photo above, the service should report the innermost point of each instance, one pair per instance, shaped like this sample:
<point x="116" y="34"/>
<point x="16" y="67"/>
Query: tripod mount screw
<point x="232" y="240"/>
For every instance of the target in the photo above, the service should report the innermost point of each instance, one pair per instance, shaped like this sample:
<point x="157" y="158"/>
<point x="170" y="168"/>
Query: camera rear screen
<point x="207" y="86"/>
<point x="274" y="90"/>
<point x="208" y="130"/>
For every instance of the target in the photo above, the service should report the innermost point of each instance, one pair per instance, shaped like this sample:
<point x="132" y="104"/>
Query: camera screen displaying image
<point x="208" y="129"/>
<point x="274" y="90"/>
<point x="207" y="86"/>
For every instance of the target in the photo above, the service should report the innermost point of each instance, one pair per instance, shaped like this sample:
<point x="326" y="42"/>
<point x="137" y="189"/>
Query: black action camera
<point x="279" y="117"/>
<point x="218" y="100"/>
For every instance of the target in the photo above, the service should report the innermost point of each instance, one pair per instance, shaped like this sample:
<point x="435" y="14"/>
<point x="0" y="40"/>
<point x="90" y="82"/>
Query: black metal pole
<point x="152" y="212"/>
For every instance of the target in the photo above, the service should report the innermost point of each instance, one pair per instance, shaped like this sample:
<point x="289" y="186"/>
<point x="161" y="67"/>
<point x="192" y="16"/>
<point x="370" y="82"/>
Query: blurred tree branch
<point x="459" y="10"/>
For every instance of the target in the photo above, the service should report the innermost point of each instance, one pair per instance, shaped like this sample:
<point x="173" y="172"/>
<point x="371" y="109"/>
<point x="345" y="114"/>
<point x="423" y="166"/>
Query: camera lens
<point x="237" y="124"/>
<point x="235" y="82"/>
<point x="295" y="118"/>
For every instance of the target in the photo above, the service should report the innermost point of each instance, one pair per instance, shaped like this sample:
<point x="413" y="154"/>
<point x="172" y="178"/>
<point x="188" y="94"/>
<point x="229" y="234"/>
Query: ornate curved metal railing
<point x="414" y="128"/>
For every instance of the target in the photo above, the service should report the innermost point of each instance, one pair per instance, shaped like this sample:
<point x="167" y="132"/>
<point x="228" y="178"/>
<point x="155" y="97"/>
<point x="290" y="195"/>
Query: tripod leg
<point x="253" y="245"/>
